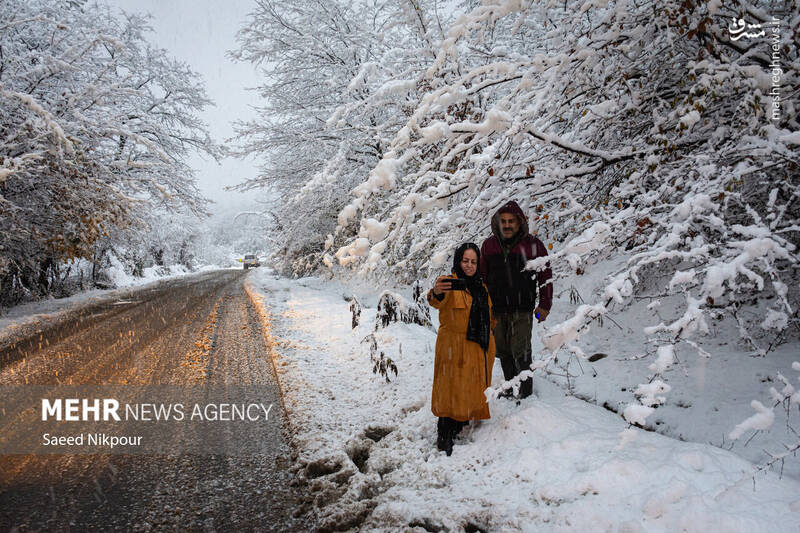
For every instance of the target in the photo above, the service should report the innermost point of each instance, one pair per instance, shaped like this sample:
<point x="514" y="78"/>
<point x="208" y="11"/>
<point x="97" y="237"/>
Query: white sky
<point x="200" y="32"/>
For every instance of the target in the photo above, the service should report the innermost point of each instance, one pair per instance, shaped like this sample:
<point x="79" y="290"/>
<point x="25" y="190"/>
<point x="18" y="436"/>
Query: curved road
<point x="196" y="331"/>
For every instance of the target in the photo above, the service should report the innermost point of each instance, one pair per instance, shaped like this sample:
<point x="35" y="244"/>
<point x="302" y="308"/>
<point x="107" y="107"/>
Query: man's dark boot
<point x="525" y="388"/>
<point x="508" y="394"/>
<point x="509" y="368"/>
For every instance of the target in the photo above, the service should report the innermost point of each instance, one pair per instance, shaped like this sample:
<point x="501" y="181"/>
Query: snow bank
<point x="554" y="463"/>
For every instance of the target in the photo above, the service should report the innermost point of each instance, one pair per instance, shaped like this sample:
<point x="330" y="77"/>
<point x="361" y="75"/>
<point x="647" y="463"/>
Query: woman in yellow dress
<point x="464" y="346"/>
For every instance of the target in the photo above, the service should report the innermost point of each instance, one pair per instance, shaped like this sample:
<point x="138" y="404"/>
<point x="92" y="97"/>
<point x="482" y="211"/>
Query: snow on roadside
<point x="28" y="315"/>
<point x="554" y="463"/>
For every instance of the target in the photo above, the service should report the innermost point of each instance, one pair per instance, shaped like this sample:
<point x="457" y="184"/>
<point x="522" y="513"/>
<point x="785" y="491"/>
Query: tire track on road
<point x="140" y="492"/>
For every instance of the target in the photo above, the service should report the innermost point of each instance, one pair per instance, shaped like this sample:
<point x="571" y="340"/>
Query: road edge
<point x="269" y="342"/>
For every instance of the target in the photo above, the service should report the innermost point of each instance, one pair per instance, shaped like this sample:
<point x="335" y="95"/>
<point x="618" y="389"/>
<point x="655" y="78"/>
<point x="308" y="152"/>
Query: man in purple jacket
<point x="514" y="290"/>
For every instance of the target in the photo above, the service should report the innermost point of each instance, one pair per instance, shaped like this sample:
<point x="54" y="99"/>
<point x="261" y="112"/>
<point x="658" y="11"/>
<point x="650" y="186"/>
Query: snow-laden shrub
<point x="393" y="307"/>
<point x="382" y="364"/>
<point x="355" y="310"/>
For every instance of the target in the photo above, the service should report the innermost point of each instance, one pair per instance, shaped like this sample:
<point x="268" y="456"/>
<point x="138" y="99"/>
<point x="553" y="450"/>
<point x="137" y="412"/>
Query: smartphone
<point x="457" y="284"/>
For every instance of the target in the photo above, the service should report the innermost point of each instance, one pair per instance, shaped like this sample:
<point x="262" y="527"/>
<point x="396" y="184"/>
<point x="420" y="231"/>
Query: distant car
<point x="250" y="260"/>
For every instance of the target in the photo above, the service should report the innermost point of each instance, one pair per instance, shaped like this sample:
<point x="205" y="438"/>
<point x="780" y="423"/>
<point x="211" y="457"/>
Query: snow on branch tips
<point x="762" y="420"/>
<point x="568" y="331"/>
<point x="45" y="116"/>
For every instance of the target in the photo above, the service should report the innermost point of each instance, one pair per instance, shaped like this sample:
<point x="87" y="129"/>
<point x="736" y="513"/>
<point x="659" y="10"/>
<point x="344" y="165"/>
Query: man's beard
<point x="510" y="239"/>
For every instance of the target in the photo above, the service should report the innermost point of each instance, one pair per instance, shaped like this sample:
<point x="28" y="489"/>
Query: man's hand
<point x="541" y="314"/>
<point x="442" y="284"/>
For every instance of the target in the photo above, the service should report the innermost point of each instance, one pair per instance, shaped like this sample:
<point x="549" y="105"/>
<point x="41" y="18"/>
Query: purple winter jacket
<point x="511" y="287"/>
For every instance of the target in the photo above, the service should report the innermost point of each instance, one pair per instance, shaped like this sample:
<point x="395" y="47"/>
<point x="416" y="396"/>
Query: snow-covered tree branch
<point x="95" y="130"/>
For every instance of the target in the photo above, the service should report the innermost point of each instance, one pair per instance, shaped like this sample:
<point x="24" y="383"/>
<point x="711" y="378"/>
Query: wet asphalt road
<point x="200" y="331"/>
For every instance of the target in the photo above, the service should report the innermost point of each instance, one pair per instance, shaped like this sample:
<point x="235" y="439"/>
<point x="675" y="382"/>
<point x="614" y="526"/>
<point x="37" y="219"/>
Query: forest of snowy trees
<point x="661" y="133"/>
<point x="95" y="128"/>
<point x="653" y="145"/>
<point x="397" y="128"/>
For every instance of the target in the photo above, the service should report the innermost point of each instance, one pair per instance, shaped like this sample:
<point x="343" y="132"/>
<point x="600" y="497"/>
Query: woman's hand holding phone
<point x="458" y="284"/>
<point x="442" y="284"/>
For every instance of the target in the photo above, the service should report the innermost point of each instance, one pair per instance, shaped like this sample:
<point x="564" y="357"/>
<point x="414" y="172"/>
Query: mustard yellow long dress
<point x="461" y="370"/>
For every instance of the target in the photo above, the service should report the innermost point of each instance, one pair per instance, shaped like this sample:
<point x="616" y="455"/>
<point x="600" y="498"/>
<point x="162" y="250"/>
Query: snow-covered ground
<point x="553" y="463"/>
<point x="710" y="392"/>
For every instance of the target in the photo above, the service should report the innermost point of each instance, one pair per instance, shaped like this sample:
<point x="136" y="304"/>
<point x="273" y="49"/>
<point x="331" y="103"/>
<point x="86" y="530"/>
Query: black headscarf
<point x="479" y="318"/>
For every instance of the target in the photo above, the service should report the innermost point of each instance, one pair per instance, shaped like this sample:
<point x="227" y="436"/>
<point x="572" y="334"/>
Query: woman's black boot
<point x="445" y="442"/>
<point x="444" y="438"/>
<point x="448" y="446"/>
<point x="441" y="443"/>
